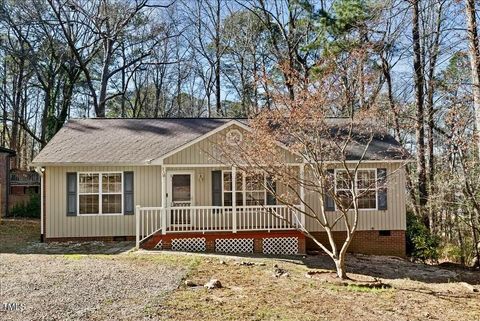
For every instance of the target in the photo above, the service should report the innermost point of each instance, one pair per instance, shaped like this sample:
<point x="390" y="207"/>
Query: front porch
<point x="218" y="209"/>
<point x="268" y="229"/>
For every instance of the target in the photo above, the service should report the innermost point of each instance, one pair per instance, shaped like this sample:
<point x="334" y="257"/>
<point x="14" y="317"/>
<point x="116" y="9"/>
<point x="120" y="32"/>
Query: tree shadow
<point x="389" y="267"/>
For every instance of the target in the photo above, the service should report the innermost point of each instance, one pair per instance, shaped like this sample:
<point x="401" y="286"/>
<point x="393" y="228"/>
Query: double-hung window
<point x="249" y="189"/>
<point x="100" y="193"/>
<point x="365" y="182"/>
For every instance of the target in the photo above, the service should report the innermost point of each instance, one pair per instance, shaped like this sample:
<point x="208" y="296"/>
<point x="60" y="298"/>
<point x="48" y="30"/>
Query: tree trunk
<point x="340" y="267"/>
<point x="474" y="54"/>
<point x="419" y="124"/>
<point x="217" y="61"/>
<point x="102" y="97"/>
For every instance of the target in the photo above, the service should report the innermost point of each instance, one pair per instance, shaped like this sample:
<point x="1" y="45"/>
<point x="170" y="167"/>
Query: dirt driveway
<point x="77" y="287"/>
<point x="79" y="281"/>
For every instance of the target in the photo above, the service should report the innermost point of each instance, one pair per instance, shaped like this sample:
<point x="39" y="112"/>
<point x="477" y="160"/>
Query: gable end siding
<point x="204" y="151"/>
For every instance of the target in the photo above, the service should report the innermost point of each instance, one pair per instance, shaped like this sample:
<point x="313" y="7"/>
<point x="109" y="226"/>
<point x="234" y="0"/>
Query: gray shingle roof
<point x="122" y="141"/>
<point x="138" y="141"/>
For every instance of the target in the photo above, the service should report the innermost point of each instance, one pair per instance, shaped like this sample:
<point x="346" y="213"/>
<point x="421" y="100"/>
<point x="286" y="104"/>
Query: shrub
<point x="31" y="208"/>
<point x="421" y="244"/>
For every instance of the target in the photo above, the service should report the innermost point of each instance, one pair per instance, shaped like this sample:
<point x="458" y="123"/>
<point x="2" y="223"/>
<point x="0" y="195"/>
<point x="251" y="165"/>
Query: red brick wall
<point x="366" y="242"/>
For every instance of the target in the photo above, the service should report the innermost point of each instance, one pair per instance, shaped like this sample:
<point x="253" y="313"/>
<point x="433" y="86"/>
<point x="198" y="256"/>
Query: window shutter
<point x="217" y="188"/>
<point x="328" y="201"/>
<point x="128" y="203"/>
<point x="71" y="194"/>
<point x="272" y="185"/>
<point x="382" y="189"/>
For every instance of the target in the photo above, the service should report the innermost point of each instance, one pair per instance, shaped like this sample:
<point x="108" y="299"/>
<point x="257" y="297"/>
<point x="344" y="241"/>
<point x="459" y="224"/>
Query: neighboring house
<point x="5" y="156"/>
<point x="23" y="185"/>
<point x="157" y="181"/>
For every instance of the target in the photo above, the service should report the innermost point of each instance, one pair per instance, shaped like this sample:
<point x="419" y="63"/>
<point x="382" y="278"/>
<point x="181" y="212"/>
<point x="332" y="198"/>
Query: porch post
<point x="137" y="228"/>
<point x="164" y="201"/>
<point x="234" y="199"/>
<point x="302" y="194"/>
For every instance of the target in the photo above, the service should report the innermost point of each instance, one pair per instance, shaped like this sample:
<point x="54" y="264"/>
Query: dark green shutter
<point x="382" y="189"/>
<point x="272" y="186"/>
<point x="128" y="203"/>
<point x="217" y="188"/>
<point x="328" y="200"/>
<point x="71" y="194"/>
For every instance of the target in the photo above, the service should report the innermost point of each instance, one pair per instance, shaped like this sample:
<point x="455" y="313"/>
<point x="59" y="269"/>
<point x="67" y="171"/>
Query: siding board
<point x="147" y="192"/>
<point x="206" y="151"/>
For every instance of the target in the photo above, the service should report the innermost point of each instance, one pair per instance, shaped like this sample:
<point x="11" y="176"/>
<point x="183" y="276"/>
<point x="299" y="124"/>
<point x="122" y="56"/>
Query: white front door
<point x="180" y="194"/>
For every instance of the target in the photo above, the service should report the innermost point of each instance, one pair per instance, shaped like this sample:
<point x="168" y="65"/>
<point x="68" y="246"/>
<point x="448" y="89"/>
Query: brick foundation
<point x="366" y="242"/>
<point x="211" y="237"/>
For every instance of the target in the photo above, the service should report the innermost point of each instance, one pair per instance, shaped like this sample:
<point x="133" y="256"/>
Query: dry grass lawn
<point x="107" y="282"/>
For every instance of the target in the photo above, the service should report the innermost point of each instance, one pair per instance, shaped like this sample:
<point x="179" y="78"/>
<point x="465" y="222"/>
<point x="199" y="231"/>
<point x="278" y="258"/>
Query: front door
<point x="180" y="197"/>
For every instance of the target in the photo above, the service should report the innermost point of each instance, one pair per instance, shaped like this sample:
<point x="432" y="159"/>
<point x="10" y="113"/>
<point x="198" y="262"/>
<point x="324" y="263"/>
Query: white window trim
<point x="100" y="193"/>
<point x="244" y="185"/>
<point x="363" y="189"/>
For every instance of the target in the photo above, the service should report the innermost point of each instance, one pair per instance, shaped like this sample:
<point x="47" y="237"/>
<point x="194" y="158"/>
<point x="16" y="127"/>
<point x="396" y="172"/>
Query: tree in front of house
<point x="330" y="154"/>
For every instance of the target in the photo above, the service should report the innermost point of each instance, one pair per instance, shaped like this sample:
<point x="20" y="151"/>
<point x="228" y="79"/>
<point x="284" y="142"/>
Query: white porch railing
<point x="150" y="220"/>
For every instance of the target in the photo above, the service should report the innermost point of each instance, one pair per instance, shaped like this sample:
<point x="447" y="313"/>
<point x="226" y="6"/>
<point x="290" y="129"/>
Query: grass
<point x="73" y="257"/>
<point x="16" y="234"/>
<point x="361" y="289"/>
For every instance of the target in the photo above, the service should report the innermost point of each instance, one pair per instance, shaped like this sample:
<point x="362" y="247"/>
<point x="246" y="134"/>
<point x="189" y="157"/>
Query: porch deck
<point x="219" y="222"/>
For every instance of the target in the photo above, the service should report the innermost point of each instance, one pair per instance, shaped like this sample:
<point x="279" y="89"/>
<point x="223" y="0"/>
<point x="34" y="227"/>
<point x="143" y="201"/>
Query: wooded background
<point x="419" y="67"/>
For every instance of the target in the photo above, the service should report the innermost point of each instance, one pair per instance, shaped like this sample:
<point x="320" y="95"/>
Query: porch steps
<point x="273" y="242"/>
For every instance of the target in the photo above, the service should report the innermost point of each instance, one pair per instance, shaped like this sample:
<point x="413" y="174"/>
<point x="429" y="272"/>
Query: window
<point x="100" y="193"/>
<point x="249" y="189"/>
<point x="366" y="186"/>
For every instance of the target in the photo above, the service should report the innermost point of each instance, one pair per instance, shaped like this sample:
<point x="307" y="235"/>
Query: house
<point x="5" y="156"/>
<point x="23" y="185"/>
<point x="157" y="181"/>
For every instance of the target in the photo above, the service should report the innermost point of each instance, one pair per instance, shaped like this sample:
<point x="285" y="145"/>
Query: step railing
<point x="148" y="221"/>
<point x="202" y="219"/>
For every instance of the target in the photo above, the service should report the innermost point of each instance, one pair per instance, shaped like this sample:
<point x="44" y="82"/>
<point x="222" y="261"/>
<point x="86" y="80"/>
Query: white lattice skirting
<point x="158" y="246"/>
<point x="280" y="245"/>
<point x="190" y="244"/>
<point x="234" y="245"/>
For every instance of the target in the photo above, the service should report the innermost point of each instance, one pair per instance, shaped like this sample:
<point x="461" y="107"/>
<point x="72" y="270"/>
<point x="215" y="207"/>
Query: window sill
<point x="106" y="214"/>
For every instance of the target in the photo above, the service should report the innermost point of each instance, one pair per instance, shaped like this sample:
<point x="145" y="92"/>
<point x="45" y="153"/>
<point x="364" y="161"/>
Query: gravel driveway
<point x="84" y="287"/>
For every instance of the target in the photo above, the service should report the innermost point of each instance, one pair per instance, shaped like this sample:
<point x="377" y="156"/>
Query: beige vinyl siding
<point x="394" y="218"/>
<point x="147" y="192"/>
<point x="206" y="151"/>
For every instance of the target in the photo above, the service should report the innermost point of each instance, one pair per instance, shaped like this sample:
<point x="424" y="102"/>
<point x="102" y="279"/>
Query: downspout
<point x="40" y="171"/>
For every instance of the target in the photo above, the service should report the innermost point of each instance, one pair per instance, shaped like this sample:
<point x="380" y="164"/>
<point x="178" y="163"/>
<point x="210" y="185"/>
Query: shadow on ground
<point x="389" y="267"/>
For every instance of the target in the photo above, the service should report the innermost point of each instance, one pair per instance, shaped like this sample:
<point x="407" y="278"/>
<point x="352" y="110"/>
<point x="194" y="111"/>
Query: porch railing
<point x="150" y="220"/>
<point x="26" y="178"/>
